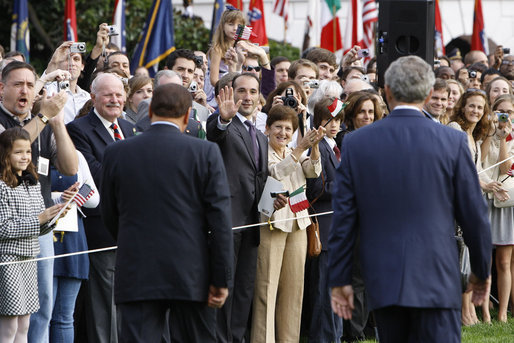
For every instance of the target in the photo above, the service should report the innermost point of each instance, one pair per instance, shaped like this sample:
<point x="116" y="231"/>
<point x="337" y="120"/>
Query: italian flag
<point x="336" y="107"/>
<point x="330" y="31"/>
<point x="298" y="200"/>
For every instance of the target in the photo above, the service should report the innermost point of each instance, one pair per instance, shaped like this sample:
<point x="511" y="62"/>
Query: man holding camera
<point x="67" y="57"/>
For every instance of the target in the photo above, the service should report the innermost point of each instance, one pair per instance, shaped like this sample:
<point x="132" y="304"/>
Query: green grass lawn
<point x="487" y="333"/>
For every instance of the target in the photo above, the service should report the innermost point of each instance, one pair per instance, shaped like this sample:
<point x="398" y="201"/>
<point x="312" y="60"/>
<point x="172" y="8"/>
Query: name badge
<point x="43" y="165"/>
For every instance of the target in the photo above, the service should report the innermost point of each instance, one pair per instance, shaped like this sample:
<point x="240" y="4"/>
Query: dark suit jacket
<point x="404" y="181"/>
<point x="316" y="187"/>
<point x="91" y="138"/>
<point x="171" y="217"/>
<point x="245" y="180"/>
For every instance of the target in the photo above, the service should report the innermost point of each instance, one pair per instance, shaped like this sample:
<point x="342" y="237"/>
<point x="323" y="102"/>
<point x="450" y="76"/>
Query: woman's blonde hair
<point x="220" y="43"/>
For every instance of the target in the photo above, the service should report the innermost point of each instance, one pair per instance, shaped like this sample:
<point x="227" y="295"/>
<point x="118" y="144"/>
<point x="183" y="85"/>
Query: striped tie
<point x="117" y="135"/>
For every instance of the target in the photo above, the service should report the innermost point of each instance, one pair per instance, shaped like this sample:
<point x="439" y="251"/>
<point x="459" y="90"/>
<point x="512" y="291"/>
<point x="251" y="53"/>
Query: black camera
<point x="289" y="99"/>
<point x="472" y="74"/>
<point x="506" y="51"/>
<point x="198" y="61"/>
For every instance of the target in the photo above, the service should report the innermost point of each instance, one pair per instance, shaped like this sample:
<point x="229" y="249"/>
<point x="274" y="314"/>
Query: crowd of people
<point x="266" y="116"/>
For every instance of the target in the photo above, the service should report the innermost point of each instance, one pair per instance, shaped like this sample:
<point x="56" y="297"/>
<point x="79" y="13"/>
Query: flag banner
<point x="20" y="37"/>
<point x="236" y="4"/>
<point x="354" y="32"/>
<point x="70" y="21"/>
<point x="280" y="7"/>
<point x="438" y="34"/>
<point x="298" y="200"/>
<point x="336" y="107"/>
<point x="307" y="33"/>
<point x="511" y="170"/>
<point x="84" y="193"/>
<point x="242" y="33"/>
<point x="217" y="11"/>
<point x="156" y="41"/>
<point x="479" y="38"/>
<point x="369" y="18"/>
<point x="330" y="30"/>
<point x="118" y="21"/>
<point x="256" y="19"/>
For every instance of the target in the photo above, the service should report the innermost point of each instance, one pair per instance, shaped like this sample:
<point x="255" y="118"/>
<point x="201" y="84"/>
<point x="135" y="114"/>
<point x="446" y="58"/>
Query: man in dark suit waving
<point x="402" y="184"/>
<point x="172" y="223"/>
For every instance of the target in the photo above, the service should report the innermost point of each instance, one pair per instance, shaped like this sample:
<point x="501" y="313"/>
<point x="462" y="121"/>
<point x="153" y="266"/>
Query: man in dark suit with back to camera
<point x="402" y="184"/>
<point x="172" y="223"/>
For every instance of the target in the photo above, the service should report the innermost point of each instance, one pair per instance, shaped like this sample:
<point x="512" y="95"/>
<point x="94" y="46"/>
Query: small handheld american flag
<point x="84" y="193"/>
<point x="242" y="33"/>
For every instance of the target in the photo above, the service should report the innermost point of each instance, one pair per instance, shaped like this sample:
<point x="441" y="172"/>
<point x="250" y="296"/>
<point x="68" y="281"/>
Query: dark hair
<point x="295" y="65"/>
<point x="112" y="46"/>
<point x="370" y="68"/>
<point x="225" y="80"/>
<point x="319" y="55"/>
<point x="114" y="53"/>
<point x="321" y="112"/>
<point x="282" y="87"/>
<point x="182" y="53"/>
<point x="347" y="71"/>
<point x="480" y="67"/>
<point x="278" y="59"/>
<point x="7" y="139"/>
<point x="482" y="127"/>
<point x="247" y="75"/>
<point x="281" y="112"/>
<point x="441" y="84"/>
<point x="14" y="54"/>
<point x="354" y="105"/>
<point x="170" y="101"/>
<point x="490" y="71"/>
<point x="441" y="69"/>
<point x="14" y="65"/>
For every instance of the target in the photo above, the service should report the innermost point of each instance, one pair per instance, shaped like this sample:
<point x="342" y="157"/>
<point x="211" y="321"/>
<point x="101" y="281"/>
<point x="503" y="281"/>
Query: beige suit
<point x="277" y="304"/>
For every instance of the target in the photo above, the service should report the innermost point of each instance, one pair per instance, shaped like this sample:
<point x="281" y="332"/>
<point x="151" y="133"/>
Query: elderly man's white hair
<point x="101" y="77"/>
<point x="326" y="89"/>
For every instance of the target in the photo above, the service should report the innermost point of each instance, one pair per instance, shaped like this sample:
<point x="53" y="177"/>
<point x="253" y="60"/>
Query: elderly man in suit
<point x="91" y="135"/>
<point x="402" y="184"/>
<point x="174" y="247"/>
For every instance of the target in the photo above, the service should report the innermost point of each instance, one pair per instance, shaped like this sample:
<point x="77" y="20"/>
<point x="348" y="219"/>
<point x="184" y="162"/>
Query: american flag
<point x="84" y="193"/>
<point x="242" y="33"/>
<point x="369" y="16"/>
<point x="511" y="170"/>
<point x="280" y="8"/>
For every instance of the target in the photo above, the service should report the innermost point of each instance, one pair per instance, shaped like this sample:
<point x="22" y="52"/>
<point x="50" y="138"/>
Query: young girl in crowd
<point x="23" y="218"/>
<point x="222" y="41"/>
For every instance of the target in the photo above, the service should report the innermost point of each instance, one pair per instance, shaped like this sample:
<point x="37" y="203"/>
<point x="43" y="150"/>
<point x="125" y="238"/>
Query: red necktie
<point x="337" y="152"/>
<point x="117" y="135"/>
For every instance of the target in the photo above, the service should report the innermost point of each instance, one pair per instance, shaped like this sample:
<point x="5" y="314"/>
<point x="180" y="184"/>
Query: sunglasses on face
<point x="250" y="68"/>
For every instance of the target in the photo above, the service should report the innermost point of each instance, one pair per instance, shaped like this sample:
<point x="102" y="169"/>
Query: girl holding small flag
<point x="23" y="218"/>
<point x="282" y="251"/>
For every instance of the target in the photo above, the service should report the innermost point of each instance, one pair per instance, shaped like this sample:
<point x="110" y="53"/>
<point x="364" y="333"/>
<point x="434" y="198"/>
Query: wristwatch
<point x="43" y="118"/>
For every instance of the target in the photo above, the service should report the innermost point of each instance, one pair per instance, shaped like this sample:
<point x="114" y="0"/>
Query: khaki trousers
<point x="277" y="304"/>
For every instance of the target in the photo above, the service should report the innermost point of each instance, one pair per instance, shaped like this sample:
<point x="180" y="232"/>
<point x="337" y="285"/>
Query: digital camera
<point x="113" y="30"/>
<point x="193" y="87"/>
<point x="311" y="84"/>
<point x="78" y="47"/>
<point x="289" y="99"/>
<point x="503" y="117"/>
<point x="472" y="74"/>
<point x="63" y="85"/>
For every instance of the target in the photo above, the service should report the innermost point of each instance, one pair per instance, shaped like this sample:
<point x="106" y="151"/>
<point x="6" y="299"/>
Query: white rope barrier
<point x="115" y="247"/>
<point x="233" y="229"/>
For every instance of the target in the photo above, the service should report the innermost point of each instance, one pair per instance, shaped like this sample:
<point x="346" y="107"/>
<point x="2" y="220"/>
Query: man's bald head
<point x="355" y="85"/>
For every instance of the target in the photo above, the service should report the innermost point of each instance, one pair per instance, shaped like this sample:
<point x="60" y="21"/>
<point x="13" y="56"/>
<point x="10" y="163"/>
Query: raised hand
<point x="225" y="99"/>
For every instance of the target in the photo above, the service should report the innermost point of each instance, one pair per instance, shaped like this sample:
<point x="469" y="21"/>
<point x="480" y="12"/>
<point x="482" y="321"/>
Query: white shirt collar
<point x="108" y="124"/>
<point x="331" y="142"/>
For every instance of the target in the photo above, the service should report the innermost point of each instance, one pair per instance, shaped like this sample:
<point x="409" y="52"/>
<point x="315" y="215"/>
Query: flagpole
<point x="335" y="26"/>
<point x="285" y="31"/>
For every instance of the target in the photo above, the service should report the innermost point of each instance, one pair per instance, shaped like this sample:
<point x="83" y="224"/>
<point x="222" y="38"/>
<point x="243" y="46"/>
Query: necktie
<point x="253" y="134"/>
<point x="337" y="152"/>
<point x="117" y="135"/>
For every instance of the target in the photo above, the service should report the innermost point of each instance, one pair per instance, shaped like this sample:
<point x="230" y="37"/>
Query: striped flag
<point x="236" y="4"/>
<point x="298" y="200"/>
<point x="336" y="107"/>
<point x="84" y="193"/>
<point x="438" y="35"/>
<point x="511" y="170"/>
<point x="242" y="33"/>
<point x="256" y="19"/>
<point x="217" y="11"/>
<point x="369" y="18"/>
<point x="479" y="38"/>
<point x="354" y="32"/>
<point x="280" y="8"/>
<point x="70" y="21"/>
<point x="330" y="29"/>
<point x="20" y="38"/>
<point x="119" y="21"/>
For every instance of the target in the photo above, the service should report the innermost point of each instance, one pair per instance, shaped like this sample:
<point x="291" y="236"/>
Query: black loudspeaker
<point x="404" y="28"/>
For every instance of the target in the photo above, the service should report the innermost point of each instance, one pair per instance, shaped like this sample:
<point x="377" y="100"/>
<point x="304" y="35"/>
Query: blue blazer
<point x="91" y="138"/>
<point x="403" y="182"/>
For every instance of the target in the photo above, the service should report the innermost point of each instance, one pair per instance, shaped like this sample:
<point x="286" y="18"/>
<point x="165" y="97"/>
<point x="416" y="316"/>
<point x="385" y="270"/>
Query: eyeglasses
<point x="508" y="63"/>
<point x="469" y="90"/>
<point x="250" y="68"/>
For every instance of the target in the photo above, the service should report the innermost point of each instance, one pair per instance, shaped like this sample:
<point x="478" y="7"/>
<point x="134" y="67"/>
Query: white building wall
<point x="457" y="16"/>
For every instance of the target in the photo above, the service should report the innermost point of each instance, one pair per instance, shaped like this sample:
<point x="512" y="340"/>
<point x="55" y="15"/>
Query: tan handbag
<point x="508" y="184"/>
<point x="313" y="238"/>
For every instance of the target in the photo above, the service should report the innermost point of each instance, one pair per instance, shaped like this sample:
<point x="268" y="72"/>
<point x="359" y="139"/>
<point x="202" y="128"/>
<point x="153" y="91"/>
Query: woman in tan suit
<point x="277" y="304"/>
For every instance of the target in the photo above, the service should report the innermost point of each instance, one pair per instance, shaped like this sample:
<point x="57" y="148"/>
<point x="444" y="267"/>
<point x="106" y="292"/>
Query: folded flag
<point x="242" y="33"/>
<point x="336" y="107"/>
<point x="298" y="200"/>
<point x="84" y="193"/>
